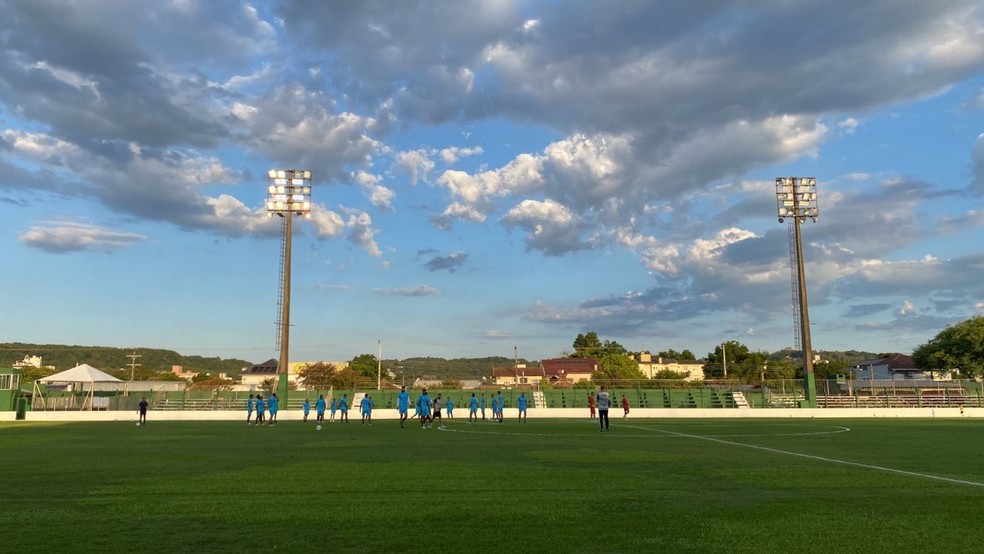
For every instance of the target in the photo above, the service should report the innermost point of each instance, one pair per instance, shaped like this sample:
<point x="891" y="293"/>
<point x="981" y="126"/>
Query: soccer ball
<point x="138" y="424"/>
<point x="319" y="427"/>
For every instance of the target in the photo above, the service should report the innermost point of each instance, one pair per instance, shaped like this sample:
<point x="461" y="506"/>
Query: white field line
<point x="824" y="459"/>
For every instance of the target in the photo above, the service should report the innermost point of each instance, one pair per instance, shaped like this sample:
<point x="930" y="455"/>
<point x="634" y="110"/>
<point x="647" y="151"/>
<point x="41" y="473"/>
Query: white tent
<point x="81" y="375"/>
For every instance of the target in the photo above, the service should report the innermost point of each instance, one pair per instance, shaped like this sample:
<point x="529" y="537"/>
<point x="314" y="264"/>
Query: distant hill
<point x="115" y="361"/>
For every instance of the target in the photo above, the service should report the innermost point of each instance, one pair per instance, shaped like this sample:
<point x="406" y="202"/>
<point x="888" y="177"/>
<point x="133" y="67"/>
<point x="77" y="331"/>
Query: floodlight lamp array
<point x="797" y="197"/>
<point x="289" y="191"/>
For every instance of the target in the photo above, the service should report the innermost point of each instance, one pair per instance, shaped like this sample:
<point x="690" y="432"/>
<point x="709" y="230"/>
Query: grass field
<point x="544" y="486"/>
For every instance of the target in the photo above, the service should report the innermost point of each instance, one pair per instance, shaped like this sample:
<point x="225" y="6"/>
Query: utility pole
<point x="133" y="362"/>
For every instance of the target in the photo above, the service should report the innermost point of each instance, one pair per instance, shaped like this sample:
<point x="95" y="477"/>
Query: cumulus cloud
<point x="380" y="196"/>
<point x="416" y="163"/>
<point x="298" y="127"/>
<point x="452" y="154"/>
<point x="551" y="227"/>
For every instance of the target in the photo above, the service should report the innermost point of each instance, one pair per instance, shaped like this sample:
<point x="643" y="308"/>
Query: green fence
<point x="640" y="394"/>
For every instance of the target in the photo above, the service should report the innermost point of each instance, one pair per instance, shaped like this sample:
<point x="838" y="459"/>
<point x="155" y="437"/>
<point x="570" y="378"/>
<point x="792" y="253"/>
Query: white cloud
<point x="416" y="163"/>
<point x="452" y="154"/>
<point x="380" y="196"/>
<point x="551" y="227"/>
<point x="72" y="237"/>
<point x="409" y="292"/>
<point x="849" y="125"/>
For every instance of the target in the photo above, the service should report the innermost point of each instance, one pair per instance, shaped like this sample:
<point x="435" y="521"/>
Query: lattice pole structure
<point x="797" y="200"/>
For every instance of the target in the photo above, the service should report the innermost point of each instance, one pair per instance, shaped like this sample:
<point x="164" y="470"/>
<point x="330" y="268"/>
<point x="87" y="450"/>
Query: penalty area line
<point x="831" y="460"/>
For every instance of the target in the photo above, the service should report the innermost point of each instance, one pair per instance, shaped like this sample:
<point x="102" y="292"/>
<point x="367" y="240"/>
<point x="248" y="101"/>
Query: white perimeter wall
<point x="511" y="414"/>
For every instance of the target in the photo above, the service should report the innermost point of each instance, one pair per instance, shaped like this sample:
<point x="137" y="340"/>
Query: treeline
<point x="115" y="361"/>
<point x="440" y="368"/>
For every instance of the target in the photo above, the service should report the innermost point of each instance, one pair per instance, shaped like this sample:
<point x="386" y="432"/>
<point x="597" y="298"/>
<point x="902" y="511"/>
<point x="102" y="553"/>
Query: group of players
<point x="428" y="410"/>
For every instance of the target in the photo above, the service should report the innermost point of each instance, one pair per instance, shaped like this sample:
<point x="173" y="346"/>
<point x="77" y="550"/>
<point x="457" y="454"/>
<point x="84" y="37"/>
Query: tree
<point x="678" y="356"/>
<point x="590" y="346"/>
<point x="669" y="374"/>
<point x="617" y="366"/>
<point x="365" y="365"/>
<point x="318" y="376"/>
<point x="345" y="379"/>
<point x="743" y="365"/>
<point x="959" y="346"/>
<point x="212" y="384"/>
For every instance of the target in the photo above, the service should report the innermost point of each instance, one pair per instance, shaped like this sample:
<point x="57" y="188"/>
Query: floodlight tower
<point x="288" y="193"/>
<point x="797" y="198"/>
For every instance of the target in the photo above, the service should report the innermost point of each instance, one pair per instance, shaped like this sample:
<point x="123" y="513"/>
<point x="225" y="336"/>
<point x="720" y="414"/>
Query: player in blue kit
<point x="481" y="404"/>
<point x="521" y="404"/>
<point x="472" y="409"/>
<point x="343" y="407"/>
<point x="495" y="407"/>
<point x="319" y="409"/>
<point x="403" y="404"/>
<point x="366" y="409"/>
<point x="307" y="408"/>
<point x="449" y="408"/>
<point x="274" y="408"/>
<point x="260" y="408"/>
<point x="424" y="402"/>
<point x="334" y="408"/>
<point x="502" y="406"/>
<point x="250" y="403"/>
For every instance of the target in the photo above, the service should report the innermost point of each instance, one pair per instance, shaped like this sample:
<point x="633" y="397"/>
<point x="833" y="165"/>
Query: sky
<point x="490" y="177"/>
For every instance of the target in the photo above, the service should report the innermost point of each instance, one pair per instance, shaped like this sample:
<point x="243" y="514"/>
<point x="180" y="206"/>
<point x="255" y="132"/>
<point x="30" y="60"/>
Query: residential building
<point x="895" y="366"/>
<point x="692" y="370"/>
<point x="256" y="374"/>
<point x="559" y="371"/>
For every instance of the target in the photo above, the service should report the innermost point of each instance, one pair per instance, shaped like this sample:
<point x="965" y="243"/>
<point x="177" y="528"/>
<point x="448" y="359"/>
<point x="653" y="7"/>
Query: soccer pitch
<point x="549" y="485"/>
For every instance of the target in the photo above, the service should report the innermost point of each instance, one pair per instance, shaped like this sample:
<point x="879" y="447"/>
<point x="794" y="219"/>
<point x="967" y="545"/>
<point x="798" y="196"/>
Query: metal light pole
<point x="797" y="198"/>
<point x="724" y="353"/>
<point x="289" y="193"/>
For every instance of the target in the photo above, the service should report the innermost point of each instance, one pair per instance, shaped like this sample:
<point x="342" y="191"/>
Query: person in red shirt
<point x="591" y="404"/>
<point x="625" y="406"/>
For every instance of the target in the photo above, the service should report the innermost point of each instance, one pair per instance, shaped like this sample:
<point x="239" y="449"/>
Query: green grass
<point x="546" y="486"/>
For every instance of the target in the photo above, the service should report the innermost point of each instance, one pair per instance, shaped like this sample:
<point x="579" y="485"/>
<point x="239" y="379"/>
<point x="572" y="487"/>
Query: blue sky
<point x="488" y="174"/>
